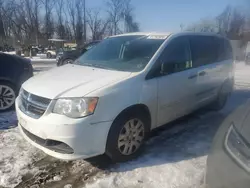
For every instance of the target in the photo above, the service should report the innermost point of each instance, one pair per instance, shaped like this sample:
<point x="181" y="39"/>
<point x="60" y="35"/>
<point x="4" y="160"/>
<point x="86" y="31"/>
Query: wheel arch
<point x="8" y="81"/>
<point x="137" y="108"/>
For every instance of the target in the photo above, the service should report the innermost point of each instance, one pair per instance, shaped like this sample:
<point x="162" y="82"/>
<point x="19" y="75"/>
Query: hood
<point x="71" y="81"/>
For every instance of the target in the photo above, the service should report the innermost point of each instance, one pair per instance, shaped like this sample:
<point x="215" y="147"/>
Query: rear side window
<point x="209" y="49"/>
<point x="204" y="50"/>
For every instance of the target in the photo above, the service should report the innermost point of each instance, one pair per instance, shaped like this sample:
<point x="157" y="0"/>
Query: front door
<point x="177" y="83"/>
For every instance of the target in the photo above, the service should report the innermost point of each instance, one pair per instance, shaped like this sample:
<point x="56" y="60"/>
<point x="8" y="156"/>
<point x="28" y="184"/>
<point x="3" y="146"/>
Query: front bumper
<point x="78" y="138"/>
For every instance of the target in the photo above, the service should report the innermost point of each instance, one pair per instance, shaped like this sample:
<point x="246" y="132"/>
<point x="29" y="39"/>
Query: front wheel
<point x="67" y="61"/>
<point x="49" y="55"/>
<point x="126" y="137"/>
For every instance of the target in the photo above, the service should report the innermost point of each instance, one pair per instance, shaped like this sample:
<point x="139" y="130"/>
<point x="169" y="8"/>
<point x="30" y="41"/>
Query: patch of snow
<point x="8" y="120"/>
<point x="11" y="53"/>
<point x="34" y="186"/>
<point x="57" y="178"/>
<point x="68" y="186"/>
<point x="16" y="158"/>
<point x="42" y="60"/>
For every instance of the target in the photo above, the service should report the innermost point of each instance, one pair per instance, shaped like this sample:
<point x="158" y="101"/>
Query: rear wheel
<point x="223" y="96"/>
<point x="49" y="55"/>
<point x="7" y="96"/>
<point x="126" y="137"/>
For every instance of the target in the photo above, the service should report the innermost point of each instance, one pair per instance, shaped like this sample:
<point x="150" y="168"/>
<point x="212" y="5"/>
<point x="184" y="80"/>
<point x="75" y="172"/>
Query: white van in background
<point x="110" y="99"/>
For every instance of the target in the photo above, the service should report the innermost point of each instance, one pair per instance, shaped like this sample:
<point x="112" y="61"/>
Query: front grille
<point x="32" y="105"/>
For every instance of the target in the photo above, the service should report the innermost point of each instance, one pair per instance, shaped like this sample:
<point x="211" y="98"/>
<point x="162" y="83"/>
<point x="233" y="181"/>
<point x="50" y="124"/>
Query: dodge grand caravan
<point x="110" y="99"/>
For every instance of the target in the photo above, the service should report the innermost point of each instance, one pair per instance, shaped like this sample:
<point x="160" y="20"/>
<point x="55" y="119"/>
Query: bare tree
<point x="205" y="25"/>
<point x="60" y="29"/>
<point x="237" y="23"/>
<point x="224" y="20"/>
<point x="79" y="21"/>
<point x="76" y="19"/>
<point x="48" y="21"/>
<point x="96" y="24"/>
<point x="129" y="24"/>
<point x="115" y="9"/>
<point x="2" y="30"/>
<point x="35" y="21"/>
<point x="72" y="16"/>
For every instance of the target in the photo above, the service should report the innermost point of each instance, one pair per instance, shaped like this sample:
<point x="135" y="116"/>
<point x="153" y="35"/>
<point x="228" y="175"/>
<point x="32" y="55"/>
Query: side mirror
<point x="164" y="68"/>
<point x="167" y="68"/>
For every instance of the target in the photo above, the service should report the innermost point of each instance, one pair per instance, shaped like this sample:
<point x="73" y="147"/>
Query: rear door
<point x="176" y="86"/>
<point x="225" y="57"/>
<point x="204" y="56"/>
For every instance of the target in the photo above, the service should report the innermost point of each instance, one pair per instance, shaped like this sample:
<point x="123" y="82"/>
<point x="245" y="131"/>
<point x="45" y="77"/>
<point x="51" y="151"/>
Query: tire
<point x="49" y="55"/>
<point x="118" y="139"/>
<point x="222" y="97"/>
<point x="67" y="61"/>
<point x="8" y="95"/>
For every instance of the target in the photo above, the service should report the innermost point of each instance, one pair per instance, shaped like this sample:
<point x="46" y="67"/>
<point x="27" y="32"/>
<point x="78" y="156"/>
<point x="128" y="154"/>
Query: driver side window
<point x="176" y="56"/>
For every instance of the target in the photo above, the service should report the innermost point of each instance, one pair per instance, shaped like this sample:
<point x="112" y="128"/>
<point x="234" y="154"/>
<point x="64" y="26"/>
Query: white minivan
<point x="110" y="99"/>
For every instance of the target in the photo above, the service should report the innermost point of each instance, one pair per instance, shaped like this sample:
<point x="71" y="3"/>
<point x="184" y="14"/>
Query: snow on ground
<point x="17" y="155"/>
<point x="175" y="156"/>
<point x="38" y="59"/>
<point x="177" y="160"/>
<point x="11" y="53"/>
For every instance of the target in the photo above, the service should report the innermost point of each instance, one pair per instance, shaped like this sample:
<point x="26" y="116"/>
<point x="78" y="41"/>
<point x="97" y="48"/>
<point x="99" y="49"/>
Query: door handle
<point x="203" y="73"/>
<point x="192" y="76"/>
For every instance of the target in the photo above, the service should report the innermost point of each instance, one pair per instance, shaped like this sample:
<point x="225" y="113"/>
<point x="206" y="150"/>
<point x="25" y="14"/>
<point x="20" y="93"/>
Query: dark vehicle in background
<point x="14" y="70"/>
<point x="67" y="57"/>
<point x="228" y="163"/>
<point x="62" y="51"/>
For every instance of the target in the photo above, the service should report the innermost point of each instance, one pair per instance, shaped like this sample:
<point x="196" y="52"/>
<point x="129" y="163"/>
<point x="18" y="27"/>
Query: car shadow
<point x="184" y="139"/>
<point x="8" y="120"/>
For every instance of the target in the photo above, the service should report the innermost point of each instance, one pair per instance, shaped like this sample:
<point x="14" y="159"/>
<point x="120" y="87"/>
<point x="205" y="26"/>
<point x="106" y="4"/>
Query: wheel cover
<point x="7" y="97"/>
<point x="131" y="136"/>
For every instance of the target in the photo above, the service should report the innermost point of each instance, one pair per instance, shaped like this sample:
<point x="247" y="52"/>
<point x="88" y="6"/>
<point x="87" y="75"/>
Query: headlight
<point x="238" y="148"/>
<point x="76" y="107"/>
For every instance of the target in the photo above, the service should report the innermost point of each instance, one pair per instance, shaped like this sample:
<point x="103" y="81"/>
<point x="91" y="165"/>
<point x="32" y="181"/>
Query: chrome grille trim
<point x="32" y="105"/>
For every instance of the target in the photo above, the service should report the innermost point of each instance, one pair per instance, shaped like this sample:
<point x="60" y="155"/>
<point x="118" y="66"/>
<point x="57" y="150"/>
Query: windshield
<point x="122" y="53"/>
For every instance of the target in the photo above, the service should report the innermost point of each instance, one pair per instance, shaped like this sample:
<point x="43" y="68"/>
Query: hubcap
<point x="131" y="137"/>
<point x="7" y="97"/>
